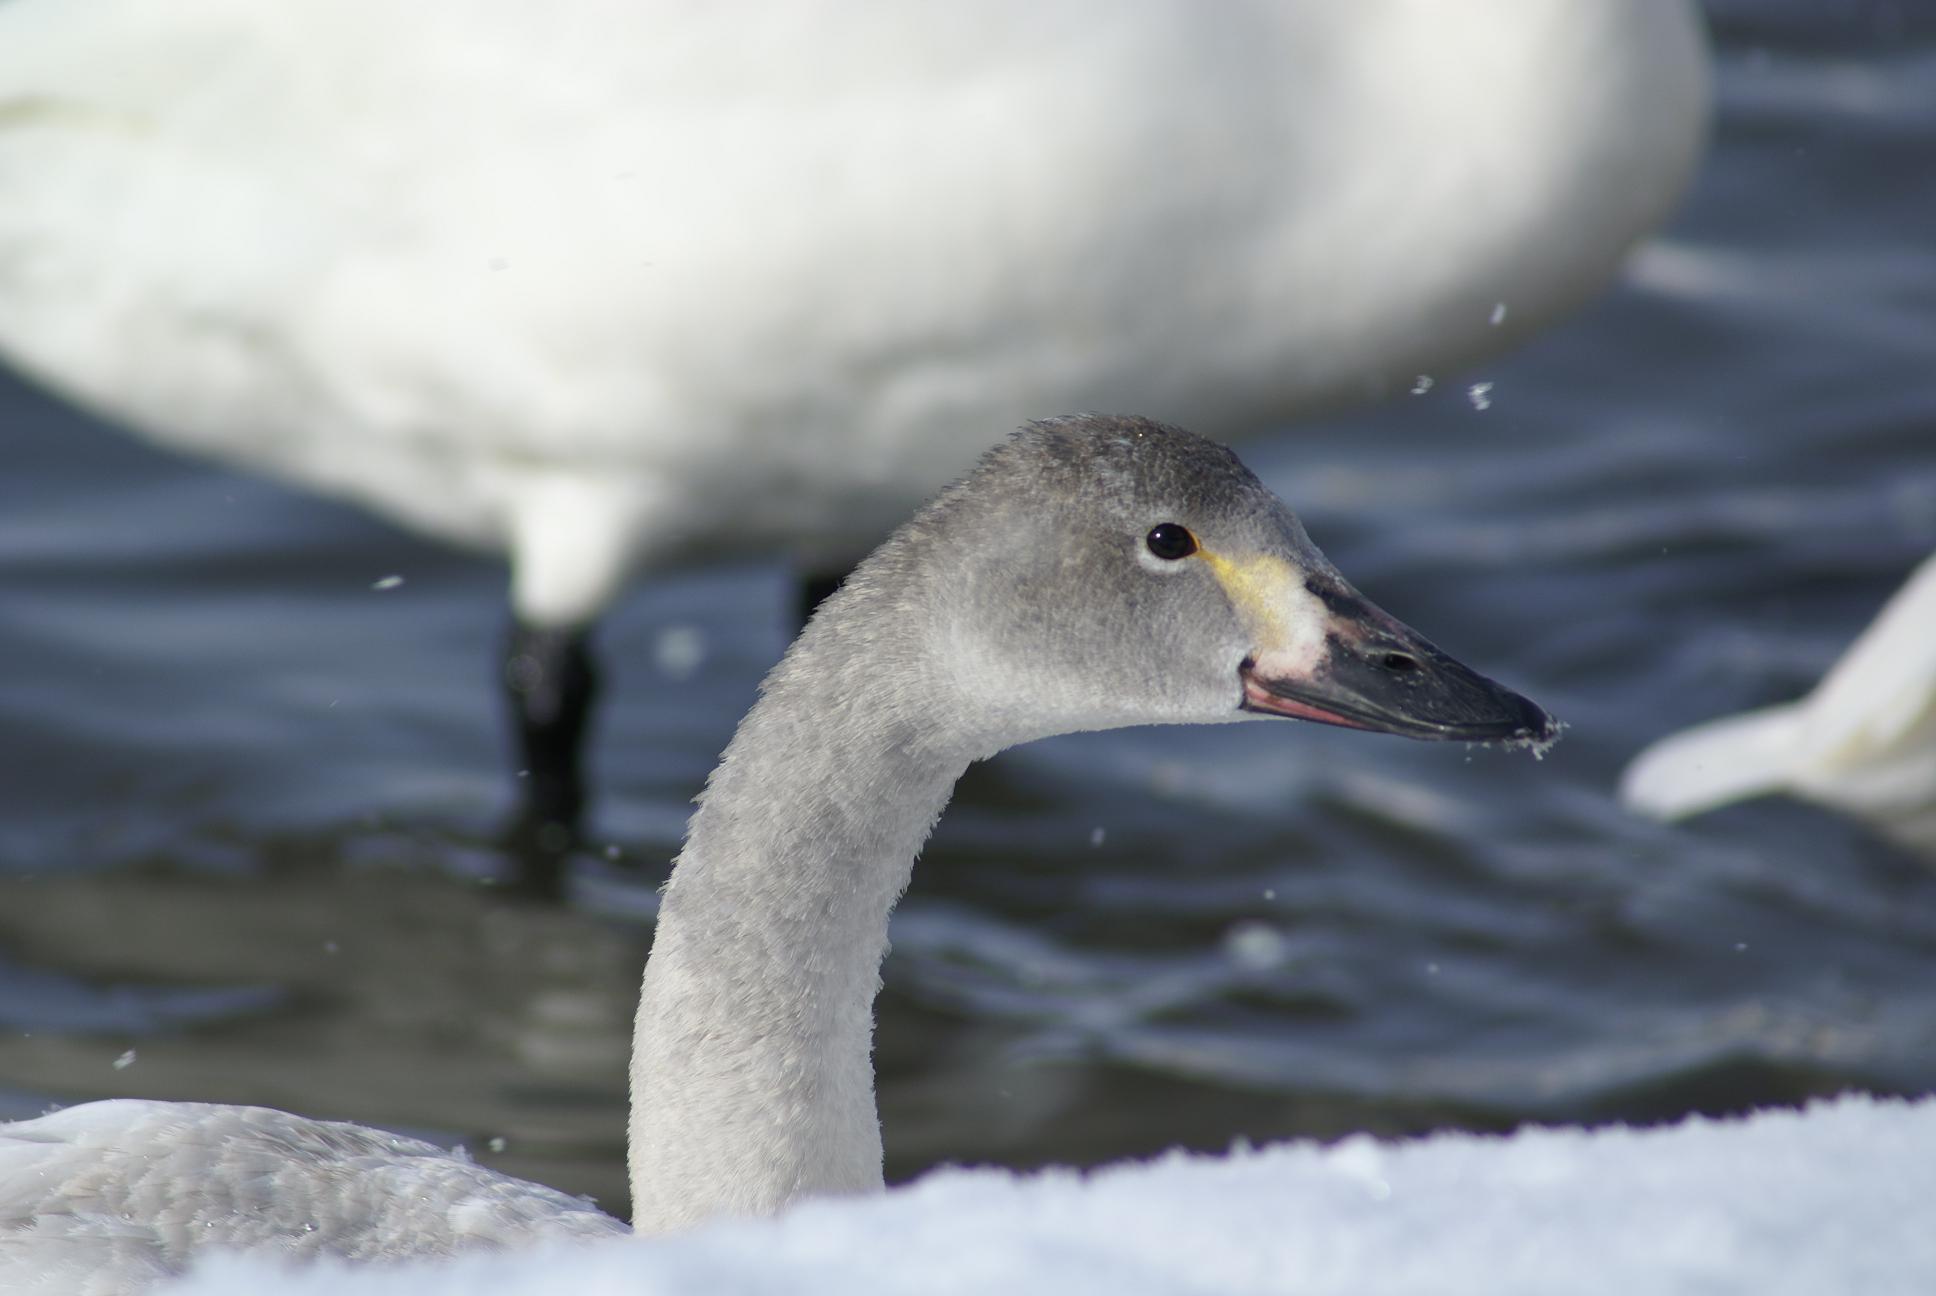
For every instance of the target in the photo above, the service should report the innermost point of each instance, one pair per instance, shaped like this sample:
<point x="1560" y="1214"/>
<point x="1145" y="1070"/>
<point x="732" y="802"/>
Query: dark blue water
<point x="247" y="800"/>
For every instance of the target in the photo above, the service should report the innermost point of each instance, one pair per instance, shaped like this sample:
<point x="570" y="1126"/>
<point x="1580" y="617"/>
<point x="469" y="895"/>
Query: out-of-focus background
<point x="247" y="801"/>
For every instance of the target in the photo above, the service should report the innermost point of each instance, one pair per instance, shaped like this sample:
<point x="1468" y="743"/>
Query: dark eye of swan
<point x="1169" y="541"/>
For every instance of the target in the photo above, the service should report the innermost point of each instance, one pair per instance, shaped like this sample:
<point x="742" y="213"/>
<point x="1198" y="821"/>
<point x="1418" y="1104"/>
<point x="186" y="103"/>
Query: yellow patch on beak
<point x="1288" y="622"/>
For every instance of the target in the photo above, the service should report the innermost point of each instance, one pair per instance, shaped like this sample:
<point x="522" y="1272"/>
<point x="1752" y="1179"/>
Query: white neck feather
<point x="752" y="1071"/>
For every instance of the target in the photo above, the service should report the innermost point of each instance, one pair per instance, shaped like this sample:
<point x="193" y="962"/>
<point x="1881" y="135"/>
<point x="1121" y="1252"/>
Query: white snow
<point x="1835" y="1199"/>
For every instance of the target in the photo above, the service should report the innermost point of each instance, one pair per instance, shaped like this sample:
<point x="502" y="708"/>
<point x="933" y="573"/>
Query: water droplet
<point x="387" y="583"/>
<point x="1095" y="836"/>
<point x="125" y="1061"/>
<point x="1256" y="945"/>
<point x="679" y="651"/>
<point x="1480" y="394"/>
<point x="1421" y="384"/>
<point x="1498" y="315"/>
<point x="495" y="1143"/>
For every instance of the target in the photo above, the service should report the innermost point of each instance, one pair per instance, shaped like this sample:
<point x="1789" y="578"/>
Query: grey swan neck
<point x="752" y="1074"/>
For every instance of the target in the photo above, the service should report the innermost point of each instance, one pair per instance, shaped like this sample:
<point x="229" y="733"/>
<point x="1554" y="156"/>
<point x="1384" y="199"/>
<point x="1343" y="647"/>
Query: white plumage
<point x="606" y="286"/>
<point x="601" y="285"/>
<point x="1863" y="742"/>
<point x="137" y="1188"/>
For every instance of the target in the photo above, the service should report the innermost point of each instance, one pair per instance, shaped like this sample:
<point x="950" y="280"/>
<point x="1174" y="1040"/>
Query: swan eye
<point x="1169" y="541"/>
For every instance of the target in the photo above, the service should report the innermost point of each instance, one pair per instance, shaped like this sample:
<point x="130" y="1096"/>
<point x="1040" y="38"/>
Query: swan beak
<point x="1329" y="654"/>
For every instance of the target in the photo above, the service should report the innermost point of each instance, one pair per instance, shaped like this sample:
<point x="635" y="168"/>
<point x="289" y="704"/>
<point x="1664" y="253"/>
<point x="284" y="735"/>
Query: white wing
<point x="1863" y="742"/>
<point x="107" y="1197"/>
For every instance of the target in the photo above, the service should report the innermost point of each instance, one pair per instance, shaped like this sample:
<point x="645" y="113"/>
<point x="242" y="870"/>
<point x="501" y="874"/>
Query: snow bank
<point x="1831" y="1200"/>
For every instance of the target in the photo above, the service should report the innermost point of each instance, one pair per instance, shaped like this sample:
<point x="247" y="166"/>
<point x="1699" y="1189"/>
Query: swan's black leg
<point x="549" y="678"/>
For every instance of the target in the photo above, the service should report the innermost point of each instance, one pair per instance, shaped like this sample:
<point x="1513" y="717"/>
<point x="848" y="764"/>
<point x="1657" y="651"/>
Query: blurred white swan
<point x="1090" y="573"/>
<point x="1863" y="742"/>
<point x="607" y="286"/>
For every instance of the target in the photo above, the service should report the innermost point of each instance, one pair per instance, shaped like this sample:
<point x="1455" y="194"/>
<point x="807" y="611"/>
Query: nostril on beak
<point x="1399" y="663"/>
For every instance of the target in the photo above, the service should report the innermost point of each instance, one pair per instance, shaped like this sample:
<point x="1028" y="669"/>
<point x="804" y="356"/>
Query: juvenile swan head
<point x="1094" y="572"/>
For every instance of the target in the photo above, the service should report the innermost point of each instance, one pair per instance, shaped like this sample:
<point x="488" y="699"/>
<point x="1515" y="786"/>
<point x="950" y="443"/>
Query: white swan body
<point x="601" y="284"/>
<point x="605" y="285"/>
<point x="1090" y="573"/>
<point x="138" y="1186"/>
<point x="1863" y="742"/>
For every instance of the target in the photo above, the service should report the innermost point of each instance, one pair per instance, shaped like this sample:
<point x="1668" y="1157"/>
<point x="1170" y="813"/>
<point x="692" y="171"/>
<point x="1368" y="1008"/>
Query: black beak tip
<point x="1530" y="725"/>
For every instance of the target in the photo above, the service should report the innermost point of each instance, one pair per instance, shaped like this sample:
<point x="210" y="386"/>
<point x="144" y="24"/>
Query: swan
<point x="607" y="287"/>
<point x="1090" y="573"/>
<point x="1863" y="742"/>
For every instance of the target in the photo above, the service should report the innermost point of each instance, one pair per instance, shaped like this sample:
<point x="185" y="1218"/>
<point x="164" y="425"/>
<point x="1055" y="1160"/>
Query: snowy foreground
<point x="1837" y="1199"/>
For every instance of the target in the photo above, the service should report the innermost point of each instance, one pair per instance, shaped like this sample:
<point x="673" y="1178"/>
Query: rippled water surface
<point x="247" y="801"/>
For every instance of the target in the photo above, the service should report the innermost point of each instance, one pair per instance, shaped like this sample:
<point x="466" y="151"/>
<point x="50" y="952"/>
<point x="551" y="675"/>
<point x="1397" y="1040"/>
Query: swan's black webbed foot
<point x="550" y="681"/>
